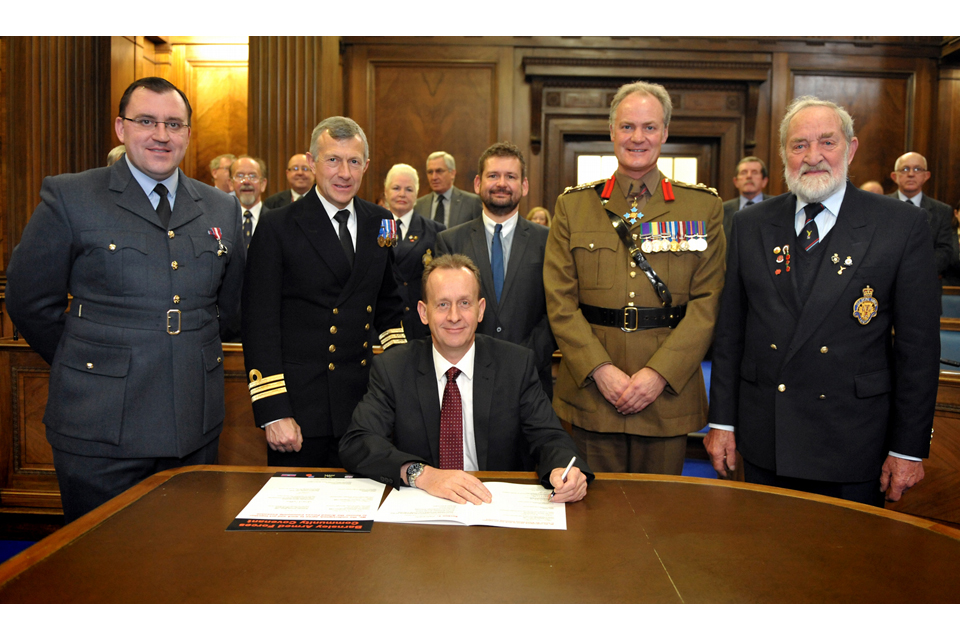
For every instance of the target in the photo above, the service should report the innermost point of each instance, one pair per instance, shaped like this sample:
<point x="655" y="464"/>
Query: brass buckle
<point x="178" y="316"/>
<point x="627" y="316"/>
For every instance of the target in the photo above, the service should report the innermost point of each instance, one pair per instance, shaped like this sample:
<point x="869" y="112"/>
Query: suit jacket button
<point x="366" y="327"/>
<point x="499" y="329"/>
<point x="176" y="299"/>
<point x="363" y="362"/>
<point x="365" y="345"/>
<point x="822" y="397"/>
<point x="369" y="309"/>
<point x="331" y="366"/>
<point x="174" y="265"/>
<point x="170" y="234"/>
<point x="823" y="349"/>
<point x="774" y="347"/>
<point x="89" y="365"/>
<point x="406" y="308"/>
<point x="333" y="329"/>
<point x="336" y="311"/>
<point x="633" y="274"/>
<point x="333" y="348"/>
<point x="633" y="295"/>
<point x="405" y="284"/>
<point x="782" y="388"/>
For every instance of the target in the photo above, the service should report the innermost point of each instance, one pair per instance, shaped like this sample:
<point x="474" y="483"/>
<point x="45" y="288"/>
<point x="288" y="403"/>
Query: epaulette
<point x="699" y="186"/>
<point x="581" y="187"/>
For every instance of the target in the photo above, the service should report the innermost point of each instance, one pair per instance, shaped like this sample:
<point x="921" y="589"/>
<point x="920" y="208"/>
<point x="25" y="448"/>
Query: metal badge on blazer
<point x="865" y="308"/>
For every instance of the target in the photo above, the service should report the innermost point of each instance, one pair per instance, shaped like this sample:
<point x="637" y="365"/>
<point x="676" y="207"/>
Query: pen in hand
<point x="563" y="478"/>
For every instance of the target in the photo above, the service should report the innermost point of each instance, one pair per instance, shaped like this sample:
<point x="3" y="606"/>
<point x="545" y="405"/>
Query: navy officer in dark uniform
<point x="318" y="293"/>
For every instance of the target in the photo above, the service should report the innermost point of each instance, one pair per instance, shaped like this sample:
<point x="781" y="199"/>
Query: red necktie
<point x="451" y="424"/>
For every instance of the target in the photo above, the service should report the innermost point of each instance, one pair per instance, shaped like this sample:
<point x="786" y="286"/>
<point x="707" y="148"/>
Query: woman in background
<point x="539" y="215"/>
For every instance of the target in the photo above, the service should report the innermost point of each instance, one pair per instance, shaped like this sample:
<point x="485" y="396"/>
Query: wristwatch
<point x="413" y="472"/>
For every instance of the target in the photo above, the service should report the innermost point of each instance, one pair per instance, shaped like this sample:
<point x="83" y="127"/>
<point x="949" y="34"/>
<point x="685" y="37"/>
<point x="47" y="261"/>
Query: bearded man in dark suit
<point x="822" y="395"/>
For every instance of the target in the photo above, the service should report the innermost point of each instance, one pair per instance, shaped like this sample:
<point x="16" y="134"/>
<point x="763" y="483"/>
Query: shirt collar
<point x="447" y="195"/>
<point x="255" y="209"/>
<point x="915" y="199"/>
<point x="331" y="208"/>
<point x="831" y="203"/>
<point x="148" y="184"/>
<point x="651" y="179"/>
<point x="508" y="226"/>
<point x="744" y="200"/>
<point x="405" y="219"/>
<point x="440" y="364"/>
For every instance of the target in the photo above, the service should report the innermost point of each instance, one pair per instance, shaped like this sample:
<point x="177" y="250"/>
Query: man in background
<point x="300" y="179"/>
<point x="220" y="170"/>
<point x="750" y="181"/>
<point x="447" y="204"/>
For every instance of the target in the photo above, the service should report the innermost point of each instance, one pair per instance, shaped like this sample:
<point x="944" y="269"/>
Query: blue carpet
<point x="698" y="469"/>
<point x="10" y="548"/>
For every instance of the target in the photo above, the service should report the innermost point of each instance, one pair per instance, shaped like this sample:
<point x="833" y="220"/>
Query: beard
<point x="247" y="198"/>
<point x="502" y="207"/>
<point x="817" y="188"/>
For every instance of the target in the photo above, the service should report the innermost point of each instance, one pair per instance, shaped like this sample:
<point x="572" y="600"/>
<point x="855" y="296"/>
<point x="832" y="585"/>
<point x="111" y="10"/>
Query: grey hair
<point x="447" y="159"/>
<point x="649" y="88"/>
<point x="402" y="170"/>
<point x="803" y="102"/>
<point x="215" y="163"/>
<point x="339" y="128"/>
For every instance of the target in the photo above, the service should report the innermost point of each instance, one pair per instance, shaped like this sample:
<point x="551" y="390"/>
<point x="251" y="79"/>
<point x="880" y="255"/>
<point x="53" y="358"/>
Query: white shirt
<point x="506" y="236"/>
<point x="825" y="222"/>
<point x="332" y="210"/>
<point x="915" y="199"/>
<point x="464" y="383"/>
<point x="254" y="211"/>
<point x="405" y="223"/>
<point x="294" y="196"/>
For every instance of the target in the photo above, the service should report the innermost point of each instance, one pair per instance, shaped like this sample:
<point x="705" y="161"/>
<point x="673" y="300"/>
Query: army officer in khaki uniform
<point x="630" y="381"/>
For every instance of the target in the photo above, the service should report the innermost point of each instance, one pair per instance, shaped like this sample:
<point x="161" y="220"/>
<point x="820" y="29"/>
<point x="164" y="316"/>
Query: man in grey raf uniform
<point x="155" y="264"/>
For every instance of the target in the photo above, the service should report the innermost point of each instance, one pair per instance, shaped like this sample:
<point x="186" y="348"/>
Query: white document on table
<point x="516" y="506"/>
<point x="315" y="499"/>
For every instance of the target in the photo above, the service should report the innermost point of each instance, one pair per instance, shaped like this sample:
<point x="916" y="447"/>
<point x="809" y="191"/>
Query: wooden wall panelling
<point x="946" y="170"/>
<point x="57" y="90"/>
<point x="412" y="101"/>
<point x="294" y="83"/>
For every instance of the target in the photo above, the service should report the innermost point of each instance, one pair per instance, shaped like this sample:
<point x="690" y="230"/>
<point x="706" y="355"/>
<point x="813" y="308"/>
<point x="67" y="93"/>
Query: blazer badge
<point x="427" y="257"/>
<point x="865" y="308"/>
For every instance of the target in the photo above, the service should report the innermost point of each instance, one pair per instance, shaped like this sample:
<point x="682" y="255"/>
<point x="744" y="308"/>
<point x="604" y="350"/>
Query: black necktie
<point x="400" y="228"/>
<point x="439" y="213"/>
<point x="163" y="208"/>
<point x="810" y="235"/>
<point x="247" y="227"/>
<point x="346" y="240"/>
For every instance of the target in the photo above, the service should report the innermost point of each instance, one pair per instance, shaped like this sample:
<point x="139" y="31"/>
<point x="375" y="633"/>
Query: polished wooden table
<point x="635" y="539"/>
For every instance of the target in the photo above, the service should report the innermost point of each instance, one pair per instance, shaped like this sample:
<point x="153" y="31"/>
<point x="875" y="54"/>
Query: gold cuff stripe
<point x="267" y="394"/>
<point x="267" y="387"/>
<point x="262" y="381"/>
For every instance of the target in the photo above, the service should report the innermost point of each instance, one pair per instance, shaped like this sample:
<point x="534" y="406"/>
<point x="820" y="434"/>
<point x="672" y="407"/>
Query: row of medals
<point x="668" y="243"/>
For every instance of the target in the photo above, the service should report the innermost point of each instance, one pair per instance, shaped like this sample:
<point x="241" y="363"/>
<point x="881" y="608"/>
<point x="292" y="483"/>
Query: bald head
<point x="910" y="173"/>
<point x="872" y="186"/>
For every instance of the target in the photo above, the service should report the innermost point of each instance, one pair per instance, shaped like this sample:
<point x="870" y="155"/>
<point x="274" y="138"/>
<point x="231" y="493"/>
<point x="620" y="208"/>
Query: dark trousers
<point x="87" y="482"/>
<point x="862" y="492"/>
<point x="627" y="453"/>
<point x="322" y="451"/>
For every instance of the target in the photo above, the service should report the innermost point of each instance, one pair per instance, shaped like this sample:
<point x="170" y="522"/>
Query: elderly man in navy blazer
<point x="809" y="381"/>
<point x="154" y="261"/>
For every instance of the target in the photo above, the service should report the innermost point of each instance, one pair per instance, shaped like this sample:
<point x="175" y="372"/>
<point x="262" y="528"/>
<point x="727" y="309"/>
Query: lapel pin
<point x="834" y="258"/>
<point x="865" y="308"/>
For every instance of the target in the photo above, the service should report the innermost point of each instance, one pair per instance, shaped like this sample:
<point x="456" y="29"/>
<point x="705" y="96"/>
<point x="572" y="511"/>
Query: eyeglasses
<point x="912" y="169"/>
<point x="252" y="177"/>
<point x="146" y="124"/>
<point x="303" y="168"/>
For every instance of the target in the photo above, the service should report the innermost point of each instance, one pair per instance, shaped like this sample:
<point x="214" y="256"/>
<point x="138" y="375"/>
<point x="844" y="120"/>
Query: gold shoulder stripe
<point x="699" y="187"/>
<point x="267" y="394"/>
<point x="581" y="187"/>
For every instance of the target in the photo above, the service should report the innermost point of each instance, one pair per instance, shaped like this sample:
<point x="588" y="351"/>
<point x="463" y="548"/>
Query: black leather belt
<point x="173" y="321"/>
<point x="631" y="319"/>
